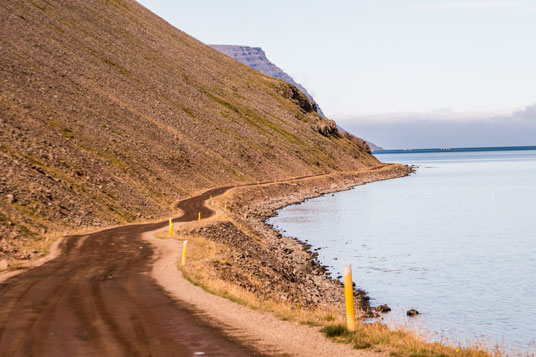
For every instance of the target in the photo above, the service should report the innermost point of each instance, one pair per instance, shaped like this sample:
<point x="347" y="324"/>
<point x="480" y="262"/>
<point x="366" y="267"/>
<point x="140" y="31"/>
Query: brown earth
<point x="97" y="298"/>
<point x="108" y="115"/>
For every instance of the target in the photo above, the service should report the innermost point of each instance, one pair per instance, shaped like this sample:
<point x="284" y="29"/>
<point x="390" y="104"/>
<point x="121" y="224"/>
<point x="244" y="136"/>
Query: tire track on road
<point x="97" y="298"/>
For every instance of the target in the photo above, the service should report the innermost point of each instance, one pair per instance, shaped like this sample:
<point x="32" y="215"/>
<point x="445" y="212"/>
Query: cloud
<point x="527" y="113"/>
<point x="445" y="128"/>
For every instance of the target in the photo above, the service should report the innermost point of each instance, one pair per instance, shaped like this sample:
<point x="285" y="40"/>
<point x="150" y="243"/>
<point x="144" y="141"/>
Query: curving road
<point x="97" y="298"/>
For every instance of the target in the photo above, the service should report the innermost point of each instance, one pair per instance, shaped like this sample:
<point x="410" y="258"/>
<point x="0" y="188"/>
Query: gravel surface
<point x="265" y="331"/>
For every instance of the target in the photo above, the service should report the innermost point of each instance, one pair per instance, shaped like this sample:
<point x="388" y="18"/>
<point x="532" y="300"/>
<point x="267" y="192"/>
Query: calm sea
<point x="456" y="241"/>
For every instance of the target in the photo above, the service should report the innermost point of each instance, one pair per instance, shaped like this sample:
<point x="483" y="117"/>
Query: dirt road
<point x="97" y="298"/>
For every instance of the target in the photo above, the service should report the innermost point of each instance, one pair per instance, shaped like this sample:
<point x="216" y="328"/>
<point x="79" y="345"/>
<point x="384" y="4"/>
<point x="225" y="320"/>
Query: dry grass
<point x="398" y="342"/>
<point x="372" y="336"/>
<point x="39" y="247"/>
<point x="202" y="252"/>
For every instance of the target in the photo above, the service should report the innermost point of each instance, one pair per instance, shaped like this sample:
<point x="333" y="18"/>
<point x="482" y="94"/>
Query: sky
<point x="385" y="68"/>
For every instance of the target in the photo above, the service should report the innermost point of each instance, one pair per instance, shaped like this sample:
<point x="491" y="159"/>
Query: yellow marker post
<point x="216" y="214"/>
<point x="349" y="297"/>
<point x="184" y="245"/>
<point x="170" y="227"/>
<point x="199" y="216"/>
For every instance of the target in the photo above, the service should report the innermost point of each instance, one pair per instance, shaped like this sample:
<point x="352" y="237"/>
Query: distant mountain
<point x="256" y="58"/>
<point x="373" y="146"/>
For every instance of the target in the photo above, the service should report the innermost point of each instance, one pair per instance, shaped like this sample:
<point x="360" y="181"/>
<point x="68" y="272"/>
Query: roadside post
<point x="184" y="245"/>
<point x="349" y="297"/>
<point x="199" y="216"/>
<point x="170" y="227"/>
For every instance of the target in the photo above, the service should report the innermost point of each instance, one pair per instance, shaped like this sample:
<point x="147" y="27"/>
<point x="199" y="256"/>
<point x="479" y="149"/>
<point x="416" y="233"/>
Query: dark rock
<point x="326" y="127"/>
<point x="412" y="312"/>
<point x="371" y="314"/>
<point x="362" y="144"/>
<point x="382" y="308"/>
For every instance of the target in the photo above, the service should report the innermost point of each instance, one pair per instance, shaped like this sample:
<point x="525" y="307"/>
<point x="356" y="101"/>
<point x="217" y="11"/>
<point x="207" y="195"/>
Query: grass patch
<point x="114" y="65"/>
<point x="334" y="331"/>
<point x="67" y="133"/>
<point x="311" y="323"/>
<point x="221" y="101"/>
<point x="398" y="342"/>
<point x="114" y="160"/>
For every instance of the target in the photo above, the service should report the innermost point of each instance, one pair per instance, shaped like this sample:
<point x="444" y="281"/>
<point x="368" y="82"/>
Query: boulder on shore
<point x="383" y="308"/>
<point x="412" y="312"/>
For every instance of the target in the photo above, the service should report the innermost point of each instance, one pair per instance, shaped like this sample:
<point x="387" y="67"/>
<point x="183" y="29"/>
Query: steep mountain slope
<point x="108" y="114"/>
<point x="255" y="58"/>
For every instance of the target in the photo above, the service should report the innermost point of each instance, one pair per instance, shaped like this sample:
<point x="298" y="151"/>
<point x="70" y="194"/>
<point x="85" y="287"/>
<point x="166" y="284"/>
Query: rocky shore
<point x="272" y="266"/>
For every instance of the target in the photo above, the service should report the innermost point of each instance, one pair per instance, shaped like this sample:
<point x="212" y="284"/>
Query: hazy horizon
<point x="446" y="129"/>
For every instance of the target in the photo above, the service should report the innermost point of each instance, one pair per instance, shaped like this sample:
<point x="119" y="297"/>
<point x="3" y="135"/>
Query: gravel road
<point x="98" y="298"/>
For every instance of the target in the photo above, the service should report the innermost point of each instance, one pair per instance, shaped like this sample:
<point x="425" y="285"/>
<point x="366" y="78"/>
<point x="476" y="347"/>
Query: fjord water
<point x="456" y="241"/>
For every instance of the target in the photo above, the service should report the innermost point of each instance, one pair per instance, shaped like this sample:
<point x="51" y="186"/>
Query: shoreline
<point x="291" y="269"/>
<point x="307" y="188"/>
<point x="268" y="330"/>
<point x="273" y="212"/>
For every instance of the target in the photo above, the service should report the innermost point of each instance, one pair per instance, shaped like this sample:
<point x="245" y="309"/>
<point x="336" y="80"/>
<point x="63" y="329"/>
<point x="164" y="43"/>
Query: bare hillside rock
<point x="109" y="115"/>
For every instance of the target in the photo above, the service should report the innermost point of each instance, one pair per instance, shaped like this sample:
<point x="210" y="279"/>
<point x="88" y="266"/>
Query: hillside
<point x="109" y="115"/>
<point x="255" y="57"/>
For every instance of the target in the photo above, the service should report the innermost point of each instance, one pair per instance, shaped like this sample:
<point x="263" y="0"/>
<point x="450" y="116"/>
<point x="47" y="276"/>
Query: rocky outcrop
<point x="326" y="127"/>
<point x="255" y="57"/>
<point x="363" y="144"/>
<point x="301" y="100"/>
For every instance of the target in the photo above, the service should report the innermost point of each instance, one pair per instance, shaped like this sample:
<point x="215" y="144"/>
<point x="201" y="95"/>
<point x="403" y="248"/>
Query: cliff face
<point x="108" y="115"/>
<point x="255" y="57"/>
